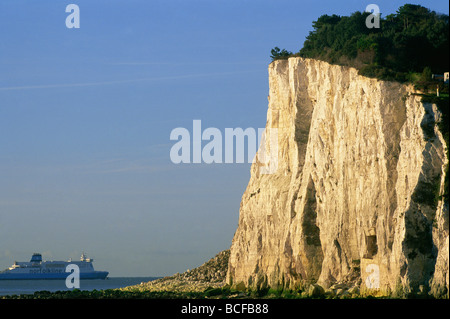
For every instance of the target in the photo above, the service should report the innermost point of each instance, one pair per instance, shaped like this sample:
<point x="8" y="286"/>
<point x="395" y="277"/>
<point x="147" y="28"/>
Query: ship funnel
<point x="36" y="258"/>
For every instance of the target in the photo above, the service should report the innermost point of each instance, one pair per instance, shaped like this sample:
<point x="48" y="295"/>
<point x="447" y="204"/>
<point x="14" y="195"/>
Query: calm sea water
<point x="17" y="287"/>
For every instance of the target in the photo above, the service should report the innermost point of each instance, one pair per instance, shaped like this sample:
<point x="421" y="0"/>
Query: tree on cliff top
<point x="277" y="54"/>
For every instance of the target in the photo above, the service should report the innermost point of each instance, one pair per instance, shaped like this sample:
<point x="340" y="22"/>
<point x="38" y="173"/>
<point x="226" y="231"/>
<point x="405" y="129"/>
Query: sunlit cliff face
<point x="348" y="201"/>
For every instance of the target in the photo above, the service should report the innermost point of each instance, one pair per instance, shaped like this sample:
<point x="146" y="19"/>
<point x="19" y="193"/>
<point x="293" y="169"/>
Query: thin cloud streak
<point x="163" y="78"/>
<point x="187" y="63"/>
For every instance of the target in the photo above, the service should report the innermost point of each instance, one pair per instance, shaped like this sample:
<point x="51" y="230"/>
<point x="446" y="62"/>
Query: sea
<point x="19" y="287"/>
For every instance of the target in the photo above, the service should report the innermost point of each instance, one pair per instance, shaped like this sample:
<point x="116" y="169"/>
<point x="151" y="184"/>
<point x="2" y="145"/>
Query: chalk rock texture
<point x="360" y="165"/>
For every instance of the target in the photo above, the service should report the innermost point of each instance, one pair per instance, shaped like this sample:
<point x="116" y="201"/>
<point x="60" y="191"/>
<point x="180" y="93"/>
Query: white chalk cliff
<point x="359" y="164"/>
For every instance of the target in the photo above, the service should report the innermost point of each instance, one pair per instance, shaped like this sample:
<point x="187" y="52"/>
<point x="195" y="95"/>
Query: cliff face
<point x="353" y="199"/>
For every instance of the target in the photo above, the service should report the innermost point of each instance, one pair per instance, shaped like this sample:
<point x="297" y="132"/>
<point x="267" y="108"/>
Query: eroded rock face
<point x="360" y="163"/>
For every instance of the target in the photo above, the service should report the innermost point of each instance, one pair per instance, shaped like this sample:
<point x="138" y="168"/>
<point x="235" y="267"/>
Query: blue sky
<point x="86" y="115"/>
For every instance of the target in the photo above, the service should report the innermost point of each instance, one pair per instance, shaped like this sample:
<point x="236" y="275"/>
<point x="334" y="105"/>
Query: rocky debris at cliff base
<point x="209" y="280"/>
<point x="211" y="274"/>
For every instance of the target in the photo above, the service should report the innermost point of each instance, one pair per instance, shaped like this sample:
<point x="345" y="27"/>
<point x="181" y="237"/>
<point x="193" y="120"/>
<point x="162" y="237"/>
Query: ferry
<point x="36" y="268"/>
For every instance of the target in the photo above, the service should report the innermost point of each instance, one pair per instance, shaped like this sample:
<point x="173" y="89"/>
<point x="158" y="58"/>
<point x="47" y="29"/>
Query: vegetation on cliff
<point x="406" y="43"/>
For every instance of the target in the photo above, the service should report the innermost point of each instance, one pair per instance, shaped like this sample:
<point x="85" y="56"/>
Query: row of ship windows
<point x="62" y="266"/>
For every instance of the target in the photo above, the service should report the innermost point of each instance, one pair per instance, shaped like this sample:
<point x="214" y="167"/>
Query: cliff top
<point x="408" y="46"/>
